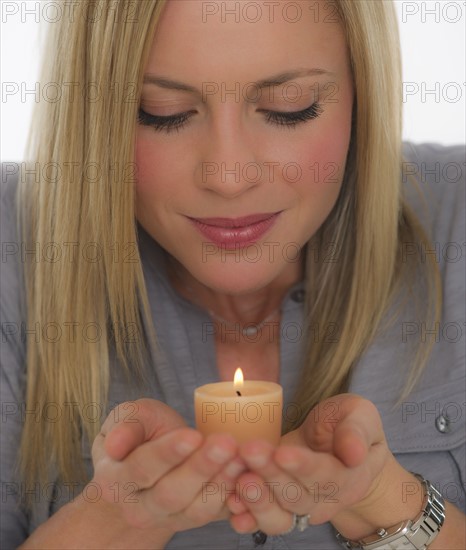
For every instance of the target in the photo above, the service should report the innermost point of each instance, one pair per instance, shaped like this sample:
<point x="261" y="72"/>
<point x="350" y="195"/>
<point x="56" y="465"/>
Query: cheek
<point x="323" y="160"/>
<point x="323" y="164"/>
<point x="158" y="166"/>
<point x="147" y="163"/>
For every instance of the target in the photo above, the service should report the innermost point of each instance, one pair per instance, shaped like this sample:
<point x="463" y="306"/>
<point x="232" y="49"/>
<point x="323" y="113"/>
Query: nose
<point x="228" y="164"/>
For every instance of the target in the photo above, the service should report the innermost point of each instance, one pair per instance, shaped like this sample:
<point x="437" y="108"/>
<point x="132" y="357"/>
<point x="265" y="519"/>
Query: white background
<point x="433" y="47"/>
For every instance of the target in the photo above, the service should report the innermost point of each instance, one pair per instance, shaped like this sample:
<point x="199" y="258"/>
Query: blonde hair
<point x="369" y="222"/>
<point x="97" y="58"/>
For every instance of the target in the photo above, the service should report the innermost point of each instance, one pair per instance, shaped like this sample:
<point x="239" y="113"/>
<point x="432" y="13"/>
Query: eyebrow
<point x="275" y="80"/>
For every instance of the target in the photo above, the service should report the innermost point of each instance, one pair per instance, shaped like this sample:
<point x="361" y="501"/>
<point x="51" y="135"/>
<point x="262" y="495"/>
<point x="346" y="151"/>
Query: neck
<point x="244" y="309"/>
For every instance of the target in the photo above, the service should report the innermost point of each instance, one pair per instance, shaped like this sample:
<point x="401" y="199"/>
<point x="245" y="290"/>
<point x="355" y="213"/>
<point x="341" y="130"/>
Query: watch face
<point x="395" y="542"/>
<point x="383" y="535"/>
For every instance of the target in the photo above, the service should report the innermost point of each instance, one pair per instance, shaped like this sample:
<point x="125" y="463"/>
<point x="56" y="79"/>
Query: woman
<point x="252" y="152"/>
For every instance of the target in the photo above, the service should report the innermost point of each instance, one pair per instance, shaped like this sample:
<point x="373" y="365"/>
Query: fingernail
<point x="185" y="447"/>
<point x="257" y="460"/>
<point x="290" y="465"/>
<point x="234" y="469"/>
<point x="286" y="461"/>
<point x="218" y="455"/>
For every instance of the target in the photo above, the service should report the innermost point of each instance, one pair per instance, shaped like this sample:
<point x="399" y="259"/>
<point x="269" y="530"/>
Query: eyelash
<point x="291" y="119"/>
<point x="167" y="123"/>
<point x="175" y="122"/>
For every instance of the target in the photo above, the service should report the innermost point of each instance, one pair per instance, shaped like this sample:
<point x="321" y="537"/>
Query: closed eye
<point x="290" y="119"/>
<point x="278" y="118"/>
<point x="167" y="123"/>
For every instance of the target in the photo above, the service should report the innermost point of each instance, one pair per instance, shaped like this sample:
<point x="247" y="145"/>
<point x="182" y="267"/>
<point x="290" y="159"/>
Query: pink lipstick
<point x="231" y="233"/>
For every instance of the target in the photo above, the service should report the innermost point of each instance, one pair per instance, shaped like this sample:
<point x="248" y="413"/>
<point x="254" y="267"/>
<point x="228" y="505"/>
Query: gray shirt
<point x="426" y="433"/>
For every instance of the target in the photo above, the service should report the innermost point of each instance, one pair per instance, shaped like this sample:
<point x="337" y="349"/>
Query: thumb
<point x="346" y="425"/>
<point x="132" y="423"/>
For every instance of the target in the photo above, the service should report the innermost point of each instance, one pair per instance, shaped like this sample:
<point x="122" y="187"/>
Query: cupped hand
<point x="329" y="466"/>
<point x="160" y="473"/>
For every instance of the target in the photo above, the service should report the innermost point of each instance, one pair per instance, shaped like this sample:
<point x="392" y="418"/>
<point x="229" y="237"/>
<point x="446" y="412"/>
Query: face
<point x="245" y="114"/>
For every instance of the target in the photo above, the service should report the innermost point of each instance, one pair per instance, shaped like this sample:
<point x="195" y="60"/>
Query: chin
<point x="237" y="278"/>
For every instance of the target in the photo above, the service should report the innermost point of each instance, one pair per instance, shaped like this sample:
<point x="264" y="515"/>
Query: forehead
<point x="245" y="38"/>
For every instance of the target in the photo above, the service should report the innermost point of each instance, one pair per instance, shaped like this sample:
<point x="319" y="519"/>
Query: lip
<point x="232" y="233"/>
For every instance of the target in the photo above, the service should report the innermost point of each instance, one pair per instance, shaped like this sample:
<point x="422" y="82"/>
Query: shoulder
<point x="434" y="183"/>
<point x="8" y="187"/>
<point x="9" y="231"/>
<point x="15" y="524"/>
<point x="430" y="153"/>
<point x="434" y="165"/>
<point x="426" y="431"/>
<point x="12" y="293"/>
<point x="437" y="196"/>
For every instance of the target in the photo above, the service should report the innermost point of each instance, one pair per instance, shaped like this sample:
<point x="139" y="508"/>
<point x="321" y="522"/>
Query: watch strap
<point x="415" y="534"/>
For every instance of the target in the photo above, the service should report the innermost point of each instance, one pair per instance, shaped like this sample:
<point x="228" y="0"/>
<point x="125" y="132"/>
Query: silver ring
<point x="293" y="525"/>
<point x="301" y="522"/>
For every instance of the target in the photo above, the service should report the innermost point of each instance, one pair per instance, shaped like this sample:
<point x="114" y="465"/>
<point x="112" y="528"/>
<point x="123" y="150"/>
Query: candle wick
<point x="238" y="393"/>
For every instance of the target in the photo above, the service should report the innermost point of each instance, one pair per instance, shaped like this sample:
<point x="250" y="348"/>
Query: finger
<point x="355" y="419"/>
<point x="269" y="516"/>
<point x="179" y="487"/>
<point x="331" y="485"/>
<point x="235" y="504"/>
<point x="135" y="422"/>
<point x="150" y="461"/>
<point x="244" y="523"/>
<point x="305" y="464"/>
<point x="123" y="438"/>
<point x="289" y="491"/>
<point x="213" y="498"/>
<point x="359" y="430"/>
<point x="321" y="474"/>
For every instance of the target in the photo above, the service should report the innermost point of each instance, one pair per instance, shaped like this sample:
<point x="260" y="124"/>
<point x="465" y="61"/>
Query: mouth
<point x="234" y="233"/>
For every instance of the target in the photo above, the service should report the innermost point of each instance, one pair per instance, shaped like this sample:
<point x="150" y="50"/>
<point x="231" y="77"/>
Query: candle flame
<point x="238" y="378"/>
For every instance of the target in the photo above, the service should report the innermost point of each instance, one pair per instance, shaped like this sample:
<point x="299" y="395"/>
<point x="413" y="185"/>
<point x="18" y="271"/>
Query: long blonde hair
<point x="370" y="223"/>
<point x="84" y="195"/>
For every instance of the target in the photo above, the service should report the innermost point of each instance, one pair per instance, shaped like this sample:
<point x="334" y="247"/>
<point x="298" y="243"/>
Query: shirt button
<point x="259" y="538"/>
<point x="442" y="423"/>
<point x="298" y="296"/>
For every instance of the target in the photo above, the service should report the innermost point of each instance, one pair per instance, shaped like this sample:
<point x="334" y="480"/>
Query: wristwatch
<point x="410" y="534"/>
